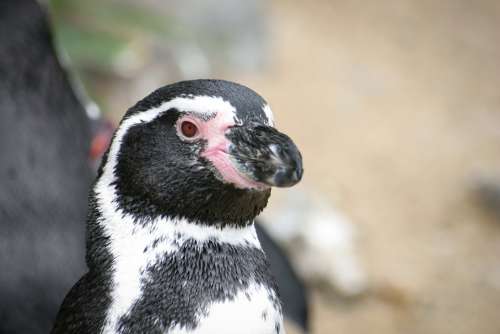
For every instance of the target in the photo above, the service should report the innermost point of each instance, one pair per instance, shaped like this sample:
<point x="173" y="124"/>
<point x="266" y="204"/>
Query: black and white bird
<point x="44" y="178"/>
<point x="171" y="244"/>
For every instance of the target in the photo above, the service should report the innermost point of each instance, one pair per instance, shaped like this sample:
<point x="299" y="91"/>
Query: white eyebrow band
<point x="203" y="116"/>
<point x="201" y="104"/>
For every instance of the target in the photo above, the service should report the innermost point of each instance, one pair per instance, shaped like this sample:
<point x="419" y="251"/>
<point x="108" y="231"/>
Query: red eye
<point x="189" y="129"/>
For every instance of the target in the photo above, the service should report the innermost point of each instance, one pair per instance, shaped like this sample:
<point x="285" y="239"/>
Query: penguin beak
<point x="265" y="155"/>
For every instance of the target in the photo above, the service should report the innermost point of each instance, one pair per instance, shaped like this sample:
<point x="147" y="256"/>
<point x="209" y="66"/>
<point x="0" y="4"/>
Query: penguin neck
<point x="128" y="251"/>
<point x="148" y="237"/>
<point x="140" y="242"/>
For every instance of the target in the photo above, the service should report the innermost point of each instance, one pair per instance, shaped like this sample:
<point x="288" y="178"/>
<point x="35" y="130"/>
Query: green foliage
<point x="95" y="32"/>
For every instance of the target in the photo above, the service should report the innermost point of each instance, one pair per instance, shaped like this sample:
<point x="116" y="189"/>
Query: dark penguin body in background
<point x="292" y="290"/>
<point x="171" y="245"/>
<point x="45" y="176"/>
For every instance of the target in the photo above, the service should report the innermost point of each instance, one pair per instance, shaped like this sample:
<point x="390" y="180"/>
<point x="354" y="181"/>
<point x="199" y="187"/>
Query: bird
<point x="44" y="174"/>
<point x="171" y="242"/>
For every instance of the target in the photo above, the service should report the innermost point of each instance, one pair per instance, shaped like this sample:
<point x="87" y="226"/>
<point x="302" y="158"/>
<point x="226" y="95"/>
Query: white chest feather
<point x="131" y="248"/>
<point x="250" y="312"/>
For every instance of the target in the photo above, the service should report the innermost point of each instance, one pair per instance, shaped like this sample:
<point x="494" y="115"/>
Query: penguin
<point x="171" y="242"/>
<point x="44" y="173"/>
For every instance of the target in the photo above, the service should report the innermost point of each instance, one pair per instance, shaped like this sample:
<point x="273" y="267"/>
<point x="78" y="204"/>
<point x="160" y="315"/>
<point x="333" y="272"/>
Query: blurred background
<point x="395" y="107"/>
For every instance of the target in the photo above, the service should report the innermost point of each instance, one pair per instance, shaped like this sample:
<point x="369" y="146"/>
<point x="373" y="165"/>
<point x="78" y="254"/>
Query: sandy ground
<point x="395" y="107"/>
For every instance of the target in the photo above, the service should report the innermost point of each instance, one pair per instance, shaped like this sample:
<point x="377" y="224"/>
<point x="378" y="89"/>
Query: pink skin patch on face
<point x="217" y="149"/>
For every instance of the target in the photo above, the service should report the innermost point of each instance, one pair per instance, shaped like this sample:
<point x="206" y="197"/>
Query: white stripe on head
<point x="130" y="243"/>
<point x="200" y="104"/>
<point x="269" y="114"/>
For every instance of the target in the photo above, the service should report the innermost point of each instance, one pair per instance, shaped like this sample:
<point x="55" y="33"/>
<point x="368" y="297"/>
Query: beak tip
<point x="285" y="179"/>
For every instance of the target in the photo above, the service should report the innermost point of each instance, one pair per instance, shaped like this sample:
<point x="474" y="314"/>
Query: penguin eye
<point x="189" y="129"/>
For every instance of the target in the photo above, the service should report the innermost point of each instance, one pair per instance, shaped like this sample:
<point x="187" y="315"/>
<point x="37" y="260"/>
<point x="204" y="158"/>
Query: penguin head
<point x="204" y="150"/>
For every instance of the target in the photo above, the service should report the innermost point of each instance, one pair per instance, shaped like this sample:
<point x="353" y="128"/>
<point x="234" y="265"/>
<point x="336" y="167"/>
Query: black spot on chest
<point x="186" y="282"/>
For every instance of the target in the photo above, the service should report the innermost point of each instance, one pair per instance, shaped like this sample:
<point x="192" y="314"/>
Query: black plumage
<point x="44" y="177"/>
<point x="291" y="288"/>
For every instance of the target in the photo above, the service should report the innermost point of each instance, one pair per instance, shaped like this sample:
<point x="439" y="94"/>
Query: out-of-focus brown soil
<point x="396" y="105"/>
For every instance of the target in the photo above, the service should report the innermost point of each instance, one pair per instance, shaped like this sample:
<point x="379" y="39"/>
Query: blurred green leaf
<point x="90" y="48"/>
<point x="94" y="33"/>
